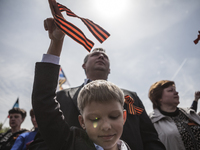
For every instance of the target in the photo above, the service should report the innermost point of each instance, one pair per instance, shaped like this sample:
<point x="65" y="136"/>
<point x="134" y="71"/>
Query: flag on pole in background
<point x="16" y="105"/>
<point x="62" y="80"/>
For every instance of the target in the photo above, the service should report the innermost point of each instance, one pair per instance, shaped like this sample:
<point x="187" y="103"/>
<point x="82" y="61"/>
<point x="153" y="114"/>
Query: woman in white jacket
<point x="178" y="128"/>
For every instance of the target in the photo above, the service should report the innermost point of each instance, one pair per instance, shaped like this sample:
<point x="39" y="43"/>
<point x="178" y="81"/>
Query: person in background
<point x="27" y="137"/>
<point x="195" y="102"/>
<point x="16" y="118"/>
<point x="178" y="128"/>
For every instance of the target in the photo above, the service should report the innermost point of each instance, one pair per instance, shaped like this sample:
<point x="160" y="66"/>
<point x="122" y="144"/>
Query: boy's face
<point x="15" y="120"/>
<point x="103" y="123"/>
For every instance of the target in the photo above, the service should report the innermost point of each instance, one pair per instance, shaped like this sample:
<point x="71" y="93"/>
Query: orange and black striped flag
<point x="197" y="39"/>
<point x="75" y="33"/>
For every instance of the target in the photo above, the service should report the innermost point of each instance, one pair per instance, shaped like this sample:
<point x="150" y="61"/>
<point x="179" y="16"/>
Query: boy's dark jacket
<point x="7" y="145"/>
<point x="138" y="132"/>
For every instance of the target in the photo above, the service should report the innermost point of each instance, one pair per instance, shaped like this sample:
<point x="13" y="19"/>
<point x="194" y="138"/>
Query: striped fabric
<point x="134" y="110"/>
<point x="75" y="33"/>
<point x="197" y="39"/>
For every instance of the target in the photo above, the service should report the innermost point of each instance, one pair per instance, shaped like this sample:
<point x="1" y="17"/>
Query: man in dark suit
<point x="138" y="131"/>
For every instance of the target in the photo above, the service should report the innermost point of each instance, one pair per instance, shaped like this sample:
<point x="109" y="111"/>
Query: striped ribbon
<point x="75" y="33"/>
<point x="197" y="39"/>
<point x="134" y="110"/>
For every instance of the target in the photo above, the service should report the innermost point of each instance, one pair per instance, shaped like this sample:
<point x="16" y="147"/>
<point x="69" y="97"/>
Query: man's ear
<point x="124" y="115"/>
<point x="83" y="66"/>
<point x="81" y="121"/>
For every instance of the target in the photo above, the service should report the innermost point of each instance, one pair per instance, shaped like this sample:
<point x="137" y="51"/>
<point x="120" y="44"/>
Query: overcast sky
<point x="150" y="40"/>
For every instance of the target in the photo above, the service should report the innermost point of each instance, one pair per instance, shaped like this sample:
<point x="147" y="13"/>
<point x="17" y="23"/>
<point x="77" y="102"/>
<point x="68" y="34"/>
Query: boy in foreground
<point x="102" y="117"/>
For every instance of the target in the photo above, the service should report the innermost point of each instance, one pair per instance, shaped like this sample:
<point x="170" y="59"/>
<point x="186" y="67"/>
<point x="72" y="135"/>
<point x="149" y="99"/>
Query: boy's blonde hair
<point x="101" y="91"/>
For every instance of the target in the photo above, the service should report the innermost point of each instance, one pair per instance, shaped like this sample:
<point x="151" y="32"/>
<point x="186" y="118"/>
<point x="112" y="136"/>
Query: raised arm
<point x="56" y="35"/>
<point x="196" y="99"/>
<point x="197" y="96"/>
<point x="50" y="120"/>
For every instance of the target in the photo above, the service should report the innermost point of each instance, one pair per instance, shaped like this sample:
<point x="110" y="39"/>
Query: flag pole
<point x="4" y="122"/>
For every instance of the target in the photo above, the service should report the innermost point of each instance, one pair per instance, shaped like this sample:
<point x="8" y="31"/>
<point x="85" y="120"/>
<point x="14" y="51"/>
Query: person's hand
<point x="54" y="32"/>
<point x="49" y="24"/>
<point x="197" y="96"/>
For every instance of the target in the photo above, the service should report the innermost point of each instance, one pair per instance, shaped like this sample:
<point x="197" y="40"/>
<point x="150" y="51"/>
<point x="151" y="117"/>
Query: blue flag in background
<point x="16" y="105"/>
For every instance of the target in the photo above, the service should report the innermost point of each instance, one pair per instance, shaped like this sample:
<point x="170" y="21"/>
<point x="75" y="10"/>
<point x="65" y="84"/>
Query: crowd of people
<point x="18" y="138"/>
<point x="173" y="124"/>
<point x="98" y="115"/>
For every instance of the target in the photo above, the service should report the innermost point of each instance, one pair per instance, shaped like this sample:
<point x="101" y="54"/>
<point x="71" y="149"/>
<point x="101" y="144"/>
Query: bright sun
<point x="111" y="8"/>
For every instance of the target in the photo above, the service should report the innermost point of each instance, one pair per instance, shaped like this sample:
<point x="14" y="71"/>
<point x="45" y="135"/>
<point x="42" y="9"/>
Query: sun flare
<point x="111" y="8"/>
